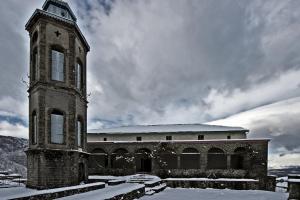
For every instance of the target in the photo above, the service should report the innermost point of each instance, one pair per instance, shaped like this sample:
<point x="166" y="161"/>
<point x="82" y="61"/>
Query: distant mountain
<point x="285" y="171"/>
<point x="12" y="156"/>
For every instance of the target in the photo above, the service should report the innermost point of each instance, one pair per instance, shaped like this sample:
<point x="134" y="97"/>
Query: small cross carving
<point x="57" y="33"/>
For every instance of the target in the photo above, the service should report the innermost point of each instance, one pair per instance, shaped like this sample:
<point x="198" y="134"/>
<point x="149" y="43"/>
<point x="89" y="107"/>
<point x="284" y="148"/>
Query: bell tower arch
<point x="57" y="154"/>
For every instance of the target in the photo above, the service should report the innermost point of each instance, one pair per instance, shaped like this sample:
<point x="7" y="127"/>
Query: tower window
<point x="79" y="133"/>
<point x="169" y="137"/>
<point x="34" y="37"/>
<point x="34" y="65"/>
<point x="105" y="139"/>
<point x="57" y="72"/>
<point x="78" y="76"/>
<point x="200" y="137"/>
<point x="228" y="137"/>
<point x="34" y="128"/>
<point x="138" y="138"/>
<point x="57" y="127"/>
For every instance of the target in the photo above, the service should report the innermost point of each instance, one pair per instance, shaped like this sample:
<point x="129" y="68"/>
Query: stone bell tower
<point x="57" y="154"/>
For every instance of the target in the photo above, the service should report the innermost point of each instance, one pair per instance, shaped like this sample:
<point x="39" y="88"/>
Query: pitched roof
<point x="167" y="128"/>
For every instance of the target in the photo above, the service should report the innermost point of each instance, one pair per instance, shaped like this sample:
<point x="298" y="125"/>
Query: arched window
<point x="120" y="159"/>
<point x="79" y="77"/>
<point x="34" y="65"/>
<point x="216" y="159"/>
<point x="57" y="127"/>
<point x="57" y="65"/>
<point x="79" y="132"/>
<point x="34" y="37"/>
<point x="34" y="128"/>
<point x="238" y="158"/>
<point x="190" y="159"/>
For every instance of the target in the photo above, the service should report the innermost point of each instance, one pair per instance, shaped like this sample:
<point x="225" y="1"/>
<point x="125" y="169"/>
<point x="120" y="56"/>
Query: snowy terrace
<point x="110" y="192"/>
<point x="215" y="194"/>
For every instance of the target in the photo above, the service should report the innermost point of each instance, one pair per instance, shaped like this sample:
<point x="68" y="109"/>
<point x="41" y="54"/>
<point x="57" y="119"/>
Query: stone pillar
<point x="228" y="161"/>
<point x="203" y="161"/>
<point x="108" y="161"/>
<point x="178" y="161"/>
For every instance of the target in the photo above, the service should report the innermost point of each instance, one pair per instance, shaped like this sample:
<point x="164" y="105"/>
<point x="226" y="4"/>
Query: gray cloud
<point x="14" y="55"/>
<point x="151" y="60"/>
<point x="279" y="122"/>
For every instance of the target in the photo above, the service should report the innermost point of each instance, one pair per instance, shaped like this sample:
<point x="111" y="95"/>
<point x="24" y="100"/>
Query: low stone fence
<point x="221" y="183"/>
<point x="58" y="192"/>
<point x="134" y="194"/>
<point x="294" y="186"/>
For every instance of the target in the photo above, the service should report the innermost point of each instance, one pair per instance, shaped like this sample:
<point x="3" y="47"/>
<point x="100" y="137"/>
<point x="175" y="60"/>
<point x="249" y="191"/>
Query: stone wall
<point x="236" y="185"/>
<point x="54" y="168"/>
<point x="162" y="136"/>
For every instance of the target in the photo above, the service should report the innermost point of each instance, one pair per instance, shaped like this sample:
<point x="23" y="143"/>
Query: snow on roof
<point x="167" y="128"/>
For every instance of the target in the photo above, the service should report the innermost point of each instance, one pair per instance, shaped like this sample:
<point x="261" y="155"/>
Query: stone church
<point x="62" y="153"/>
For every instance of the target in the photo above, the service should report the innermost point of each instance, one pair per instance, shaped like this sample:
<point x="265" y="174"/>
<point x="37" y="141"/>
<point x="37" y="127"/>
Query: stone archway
<point x="143" y="160"/>
<point x="238" y="158"/>
<point x="190" y="159"/>
<point x="216" y="159"/>
<point x="81" y="172"/>
<point x="120" y="159"/>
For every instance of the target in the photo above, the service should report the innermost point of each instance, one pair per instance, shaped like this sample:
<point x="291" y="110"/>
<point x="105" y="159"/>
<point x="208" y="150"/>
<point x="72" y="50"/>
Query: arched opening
<point x="216" y="159"/>
<point x="190" y="159"/>
<point x="79" y="74"/>
<point x="57" y="127"/>
<point x="120" y="159"/>
<point x="34" y="37"/>
<point x="80" y="131"/>
<point x="168" y="159"/>
<point x="57" y="63"/>
<point x="238" y="158"/>
<point x="143" y="160"/>
<point x="98" y="160"/>
<point x="81" y="172"/>
<point x="34" y="128"/>
<point x="34" y="68"/>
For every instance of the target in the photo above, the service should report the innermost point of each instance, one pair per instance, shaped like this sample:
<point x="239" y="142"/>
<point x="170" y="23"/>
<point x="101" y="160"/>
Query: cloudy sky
<point x="230" y="62"/>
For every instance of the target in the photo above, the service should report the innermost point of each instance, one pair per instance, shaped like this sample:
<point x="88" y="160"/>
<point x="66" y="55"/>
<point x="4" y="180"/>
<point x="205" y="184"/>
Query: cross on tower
<point x="57" y="33"/>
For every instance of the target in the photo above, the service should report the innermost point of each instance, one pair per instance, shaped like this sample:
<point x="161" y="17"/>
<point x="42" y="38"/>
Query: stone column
<point x="228" y="161"/>
<point x="108" y="161"/>
<point x="203" y="161"/>
<point x="178" y="161"/>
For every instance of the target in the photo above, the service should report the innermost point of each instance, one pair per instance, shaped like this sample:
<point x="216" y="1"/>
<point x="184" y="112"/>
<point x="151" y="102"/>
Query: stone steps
<point x="156" y="189"/>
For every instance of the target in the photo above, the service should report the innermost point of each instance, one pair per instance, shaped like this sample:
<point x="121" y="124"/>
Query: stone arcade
<point x="61" y="153"/>
<point x="182" y="150"/>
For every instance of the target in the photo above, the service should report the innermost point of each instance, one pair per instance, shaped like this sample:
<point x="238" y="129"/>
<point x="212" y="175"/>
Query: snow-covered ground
<point x="168" y="194"/>
<point x="215" y="194"/>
